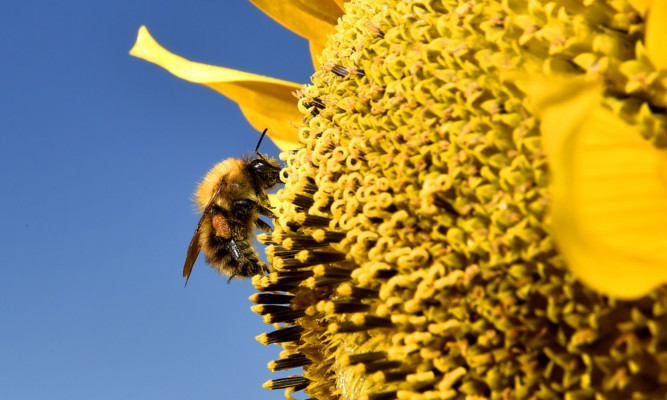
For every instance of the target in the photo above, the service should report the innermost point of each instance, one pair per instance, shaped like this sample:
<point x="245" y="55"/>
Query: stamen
<point x="303" y="242"/>
<point x="369" y="368"/>
<point x="314" y="111"/>
<point x="278" y="287"/>
<point x="310" y="186"/>
<point x="363" y="323"/>
<point x="439" y="202"/>
<point x="312" y="220"/>
<point x="384" y="273"/>
<point x="277" y="314"/>
<point x="277" y="237"/>
<point x="290" y="334"/>
<point x="264" y="238"/>
<point x="285" y="277"/>
<point x="362" y="357"/>
<point x="271" y="298"/>
<point x="348" y="290"/>
<point x="305" y="258"/>
<point x="300" y="200"/>
<point x="289" y="362"/>
<point x="281" y="252"/>
<point x="296" y="382"/>
<point x="382" y="377"/>
<point x="345" y="306"/>
<point x="391" y="395"/>
<point x="322" y="235"/>
<point x="372" y="321"/>
<point x="278" y="283"/>
<point x="330" y="271"/>
<point x="340" y="70"/>
<point x="316" y="104"/>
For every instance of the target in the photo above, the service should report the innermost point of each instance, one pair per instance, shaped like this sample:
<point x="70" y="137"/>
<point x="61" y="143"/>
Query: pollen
<point x="412" y="256"/>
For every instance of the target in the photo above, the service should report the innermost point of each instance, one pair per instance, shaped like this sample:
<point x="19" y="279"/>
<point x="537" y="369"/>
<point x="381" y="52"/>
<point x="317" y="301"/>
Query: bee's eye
<point x="260" y="164"/>
<point x="261" y="167"/>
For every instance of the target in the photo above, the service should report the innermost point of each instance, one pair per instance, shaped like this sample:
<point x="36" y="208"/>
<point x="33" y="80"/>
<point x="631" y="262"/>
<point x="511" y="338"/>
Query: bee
<point x="231" y="198"/>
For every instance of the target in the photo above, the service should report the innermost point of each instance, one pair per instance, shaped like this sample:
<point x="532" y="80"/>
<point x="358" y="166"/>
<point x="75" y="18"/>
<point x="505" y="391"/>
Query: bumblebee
<point x="231" y="198"/>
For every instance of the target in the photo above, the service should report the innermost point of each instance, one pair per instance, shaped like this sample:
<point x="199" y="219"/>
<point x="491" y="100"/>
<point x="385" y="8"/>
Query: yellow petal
<point x="273" y="200"/>
<point x="340" y="4"/>
<point x="311" y="19"/>
<point x="315" y="51"/>
<point x="266" y="102"/>
<point x="609" y="189"/>
<point x="640" y="5"/>
<point x="656" y="33"/>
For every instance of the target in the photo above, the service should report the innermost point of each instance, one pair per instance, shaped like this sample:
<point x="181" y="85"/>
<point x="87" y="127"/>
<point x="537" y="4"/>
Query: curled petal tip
<point x="265" y="101"/>
<point x="609" y="211"/>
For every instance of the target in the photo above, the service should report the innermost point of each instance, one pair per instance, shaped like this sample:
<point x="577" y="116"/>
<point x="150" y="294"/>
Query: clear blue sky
<point x="99" y="156"/>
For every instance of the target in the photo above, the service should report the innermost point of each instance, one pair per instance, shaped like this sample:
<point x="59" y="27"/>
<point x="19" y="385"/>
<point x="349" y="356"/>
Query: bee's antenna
<point x="260" y="142"/>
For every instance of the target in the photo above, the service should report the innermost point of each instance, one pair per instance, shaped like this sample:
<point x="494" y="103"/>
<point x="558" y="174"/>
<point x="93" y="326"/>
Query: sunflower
<point x="475" y="203"/>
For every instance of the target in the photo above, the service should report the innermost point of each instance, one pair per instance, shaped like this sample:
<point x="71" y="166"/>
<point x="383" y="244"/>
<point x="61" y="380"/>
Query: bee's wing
<point x="193" y="252"/>
<point x="195" y="247"/>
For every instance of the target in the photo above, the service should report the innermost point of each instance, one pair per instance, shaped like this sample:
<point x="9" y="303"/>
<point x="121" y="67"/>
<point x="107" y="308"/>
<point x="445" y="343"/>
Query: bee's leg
<point x="220" y="224"/>
<point x="265" y="211"/>
<point x="251" y="264"/>
<point x="263" y="225"/>
<point x="243" y="209"/>
<point x="234" y="250"/>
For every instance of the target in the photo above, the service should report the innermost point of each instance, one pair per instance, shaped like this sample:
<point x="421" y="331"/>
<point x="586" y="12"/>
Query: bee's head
<point x="265" y="172"/>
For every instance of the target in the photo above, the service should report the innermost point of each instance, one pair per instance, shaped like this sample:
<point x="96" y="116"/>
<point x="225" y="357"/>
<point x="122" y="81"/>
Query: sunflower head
<point x="415" y="229"/>
<point x="471" y="182"/>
